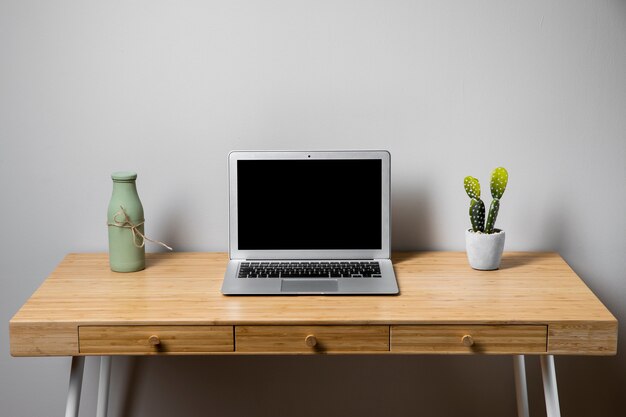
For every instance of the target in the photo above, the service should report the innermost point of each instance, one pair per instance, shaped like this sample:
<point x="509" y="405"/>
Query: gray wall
<point x="451" y="88"/>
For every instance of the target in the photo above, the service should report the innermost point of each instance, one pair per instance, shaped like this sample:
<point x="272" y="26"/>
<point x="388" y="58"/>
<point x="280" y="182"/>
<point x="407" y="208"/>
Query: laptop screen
<point x="317" y="204"/>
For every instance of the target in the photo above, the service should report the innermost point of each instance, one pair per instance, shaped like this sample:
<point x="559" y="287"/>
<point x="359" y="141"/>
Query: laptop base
<point x="384" y="285"/>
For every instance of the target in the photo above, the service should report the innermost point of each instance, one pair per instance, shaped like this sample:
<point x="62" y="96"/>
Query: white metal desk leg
<point x="550" y="392"/>
<point x="103" y="386"/>
<point x="519" y="369"/>
<point x="76" y="384"/>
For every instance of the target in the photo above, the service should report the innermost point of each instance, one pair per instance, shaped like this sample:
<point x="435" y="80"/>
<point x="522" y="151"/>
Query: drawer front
<point x="505" y="339"/>
<point x="311" y="339"/>
<point x="143" y="340"/>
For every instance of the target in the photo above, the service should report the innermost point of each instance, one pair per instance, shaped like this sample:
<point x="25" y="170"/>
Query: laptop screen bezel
<point x="382" y="253"/>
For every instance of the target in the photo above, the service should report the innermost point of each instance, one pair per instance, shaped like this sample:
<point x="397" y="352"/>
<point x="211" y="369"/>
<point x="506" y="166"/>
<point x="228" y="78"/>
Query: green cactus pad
<point x="493" y="214"/>
<point x="472" y="187"/>
<point x="477" y="214"/>
<point x="499" y="179"/>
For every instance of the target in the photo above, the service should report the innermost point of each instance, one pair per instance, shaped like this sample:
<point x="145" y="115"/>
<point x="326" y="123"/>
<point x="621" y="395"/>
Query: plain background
<point x="451" y="88"/>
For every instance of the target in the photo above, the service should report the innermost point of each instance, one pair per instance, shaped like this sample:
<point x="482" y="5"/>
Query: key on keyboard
<point x="330" y="269"/>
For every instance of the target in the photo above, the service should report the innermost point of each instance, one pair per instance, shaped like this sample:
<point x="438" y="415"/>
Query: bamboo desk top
<point x="534" y="304"/>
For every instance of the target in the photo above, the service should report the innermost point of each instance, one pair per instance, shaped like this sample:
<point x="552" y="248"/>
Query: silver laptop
<point x="309" y="223"/>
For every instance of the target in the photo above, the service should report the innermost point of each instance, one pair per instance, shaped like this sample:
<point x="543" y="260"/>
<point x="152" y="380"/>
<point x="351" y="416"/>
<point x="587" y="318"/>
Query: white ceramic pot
<point x="484" y="251"/>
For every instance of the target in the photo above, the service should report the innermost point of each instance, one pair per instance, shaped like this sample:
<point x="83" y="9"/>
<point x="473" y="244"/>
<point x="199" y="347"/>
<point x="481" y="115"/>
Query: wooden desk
<point x="535" y="304"/>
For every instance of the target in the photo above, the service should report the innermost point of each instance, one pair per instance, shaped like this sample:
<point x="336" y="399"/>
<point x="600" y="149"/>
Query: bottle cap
<point x="124" y="176"/>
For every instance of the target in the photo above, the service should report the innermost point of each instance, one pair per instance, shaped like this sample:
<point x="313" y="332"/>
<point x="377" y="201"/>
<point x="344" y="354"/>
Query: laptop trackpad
<point x="309" y="285"/>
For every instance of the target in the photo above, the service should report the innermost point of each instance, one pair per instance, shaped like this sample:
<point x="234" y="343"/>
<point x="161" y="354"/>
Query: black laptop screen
<point x="309" y="204"/>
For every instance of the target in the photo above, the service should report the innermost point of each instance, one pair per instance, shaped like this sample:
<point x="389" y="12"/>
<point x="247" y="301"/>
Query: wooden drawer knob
<point x="467" y="340"/>
<point x="154" y="340"/>
<point x="310" y="340"/>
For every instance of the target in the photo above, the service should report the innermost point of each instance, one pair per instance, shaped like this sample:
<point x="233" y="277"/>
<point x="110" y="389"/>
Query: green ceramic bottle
<point x="124" y="254"/>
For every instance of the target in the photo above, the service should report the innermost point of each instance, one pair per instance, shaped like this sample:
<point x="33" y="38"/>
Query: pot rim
<point x="495" y="232"/>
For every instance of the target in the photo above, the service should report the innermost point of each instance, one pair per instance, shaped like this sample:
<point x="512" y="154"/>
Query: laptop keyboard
<point x="330" y="269"/>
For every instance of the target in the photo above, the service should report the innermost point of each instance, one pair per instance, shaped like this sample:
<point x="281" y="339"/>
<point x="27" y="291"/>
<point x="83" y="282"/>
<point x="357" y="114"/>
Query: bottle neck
<point x="125" y="191"/>
<point x="125" y="195"/>
<point x="125" y="185"/>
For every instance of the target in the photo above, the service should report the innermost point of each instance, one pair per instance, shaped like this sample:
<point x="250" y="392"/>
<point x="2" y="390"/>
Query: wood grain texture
<point x="154" y="340"/>
<point x="184" y="289"/>
<point x="449" y="339"/>
<point x="328" y="339"/>
<point x="582" y="338"/>
<point x="43" y="339"/>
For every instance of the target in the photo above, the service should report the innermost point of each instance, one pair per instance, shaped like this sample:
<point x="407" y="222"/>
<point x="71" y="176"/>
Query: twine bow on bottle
<point x="134" y="228"/>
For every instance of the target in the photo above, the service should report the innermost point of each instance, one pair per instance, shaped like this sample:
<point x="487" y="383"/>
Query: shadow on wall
<point x="173" y="229"/>
<point x="130" y="369"/>
<point x="601" y="379"/>
<point x="411" y="218"/>
<point x="269" y="386"/>
<point x="556" y="227"/>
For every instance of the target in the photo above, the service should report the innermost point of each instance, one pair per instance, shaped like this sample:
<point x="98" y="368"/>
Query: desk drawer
<point x="128" y="340"/>
<point x="505" y="339"/>
<point x="311" y="339"/>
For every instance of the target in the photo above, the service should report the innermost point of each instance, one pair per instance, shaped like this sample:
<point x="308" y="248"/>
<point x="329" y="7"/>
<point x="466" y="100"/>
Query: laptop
<point x="309" y="223"/>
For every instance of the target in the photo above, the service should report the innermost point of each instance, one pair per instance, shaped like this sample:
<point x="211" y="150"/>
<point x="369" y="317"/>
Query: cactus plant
<point x="477" y="207"/>
<point x="499" y="180"/>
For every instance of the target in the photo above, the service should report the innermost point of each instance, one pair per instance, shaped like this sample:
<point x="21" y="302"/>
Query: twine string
<point x="134" y="228"/>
